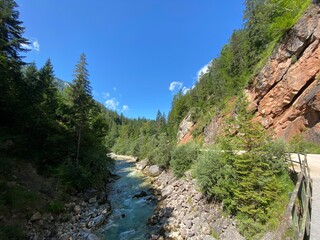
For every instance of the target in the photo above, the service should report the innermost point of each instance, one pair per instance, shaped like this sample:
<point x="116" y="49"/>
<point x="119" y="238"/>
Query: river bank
<point x="183" y="212"/>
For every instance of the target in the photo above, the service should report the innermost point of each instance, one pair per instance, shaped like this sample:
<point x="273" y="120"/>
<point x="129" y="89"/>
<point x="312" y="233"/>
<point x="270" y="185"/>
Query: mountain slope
<point x="285" y="94"/>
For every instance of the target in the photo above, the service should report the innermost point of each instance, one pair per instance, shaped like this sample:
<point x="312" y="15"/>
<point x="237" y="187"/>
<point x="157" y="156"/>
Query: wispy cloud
<point x="203" y="70"/>
<point x="175" y="86"/>
<point x="185" y="90"/>
<point x="36" y="46"/>
<point x="32" y="46"/>
<point x="105" y="95"/>
<point x="125" y="108"/>
<point x="112" y="104"/>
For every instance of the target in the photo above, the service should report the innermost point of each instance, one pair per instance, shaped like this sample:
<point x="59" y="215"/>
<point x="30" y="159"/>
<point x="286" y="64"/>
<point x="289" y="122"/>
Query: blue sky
<point x="135" y="49"/>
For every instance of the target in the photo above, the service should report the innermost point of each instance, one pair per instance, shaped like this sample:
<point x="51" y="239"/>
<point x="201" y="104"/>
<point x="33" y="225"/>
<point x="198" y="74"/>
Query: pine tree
<point x="11" y="44"/>
<point x="49" y="91"/>
<point x="81" y="98"/>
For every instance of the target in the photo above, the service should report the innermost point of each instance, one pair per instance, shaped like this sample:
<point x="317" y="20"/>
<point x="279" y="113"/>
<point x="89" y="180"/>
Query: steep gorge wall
<point x="285" y="94"/>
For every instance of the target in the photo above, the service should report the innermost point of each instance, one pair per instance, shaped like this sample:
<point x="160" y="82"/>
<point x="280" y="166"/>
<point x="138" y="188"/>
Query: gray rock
<point x="77" y="209"/>
<point x="36" y="216"/>
<point x="154" y="170"/>
<point x="90" y="194"/>
<point x="92" y="200"/>
<point x="142" y="164"/>
<point x="92" y="236"/>
<point x="140" y="194"/>
<point x="167" y="191"/>
<point x="187" y="223"/>
<point x="98" y="221"/>
<point x="63" y="237"/>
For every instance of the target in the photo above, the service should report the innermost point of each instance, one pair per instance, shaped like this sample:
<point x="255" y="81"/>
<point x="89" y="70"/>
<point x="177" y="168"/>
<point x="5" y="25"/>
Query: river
<point x="129" y="216"/>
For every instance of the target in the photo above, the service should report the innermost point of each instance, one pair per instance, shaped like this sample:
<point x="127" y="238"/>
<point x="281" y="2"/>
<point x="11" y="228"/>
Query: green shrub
<point x="215" y="176"/>
<point x="183" y="156"/>
<point x="298" y="145"/>
<point x="20" y="199"/>
<point x="12" y="232"/>
<point x="55" y="206"/>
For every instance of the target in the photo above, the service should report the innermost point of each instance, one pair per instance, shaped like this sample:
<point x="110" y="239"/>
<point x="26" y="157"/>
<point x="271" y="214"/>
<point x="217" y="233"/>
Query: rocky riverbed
<point x="183" y="212"/>
<point x="83" y="215"/>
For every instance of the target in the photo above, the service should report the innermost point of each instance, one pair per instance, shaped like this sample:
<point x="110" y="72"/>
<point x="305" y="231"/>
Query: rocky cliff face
<point x="285" y="94"/>
<point x="185" y="128"/>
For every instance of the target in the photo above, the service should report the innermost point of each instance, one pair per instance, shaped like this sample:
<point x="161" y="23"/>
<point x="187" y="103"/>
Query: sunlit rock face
<point x="286" y="92"/>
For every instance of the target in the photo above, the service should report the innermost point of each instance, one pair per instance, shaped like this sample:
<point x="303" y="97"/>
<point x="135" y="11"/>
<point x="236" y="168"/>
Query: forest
<point x="66" y="134"/>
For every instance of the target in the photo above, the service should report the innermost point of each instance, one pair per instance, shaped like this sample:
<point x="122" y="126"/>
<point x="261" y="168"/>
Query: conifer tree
<point x="11" y="44"/>
<point x="81" y="98"/>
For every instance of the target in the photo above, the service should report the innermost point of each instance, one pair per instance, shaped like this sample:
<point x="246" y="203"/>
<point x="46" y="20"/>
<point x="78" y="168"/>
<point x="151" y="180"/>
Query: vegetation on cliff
<point x="265" y="23"/>
<point x="66" y="134"/>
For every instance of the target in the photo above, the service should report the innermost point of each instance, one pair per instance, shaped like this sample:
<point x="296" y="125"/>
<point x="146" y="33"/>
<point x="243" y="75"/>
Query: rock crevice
<point x="284" y="94"/>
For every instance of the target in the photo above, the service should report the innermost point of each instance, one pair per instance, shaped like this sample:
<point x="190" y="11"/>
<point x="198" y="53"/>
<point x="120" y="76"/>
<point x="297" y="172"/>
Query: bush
<point x="12" y="232"/>
<point x="55" y="206"/>
<point x="183" y="156"/>
<point x="298" y="145"/>
<point x="215" y="175"/>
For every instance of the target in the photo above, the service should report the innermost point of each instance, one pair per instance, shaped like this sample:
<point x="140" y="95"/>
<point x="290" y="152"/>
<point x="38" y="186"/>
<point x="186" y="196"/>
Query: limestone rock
<point x="142" y="164"/>
<point x="185" y="127"/>
<point x="154" y="170"/>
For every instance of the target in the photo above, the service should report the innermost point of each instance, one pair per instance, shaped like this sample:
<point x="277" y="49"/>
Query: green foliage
<point x="266" y="22"/>
<point x="183" y="156"/>
<point x="298" y="145"/>
<point x="247" y="173"/>
<point x="215" y="176"/>
<point x="12" y="232"/>
<point x="55" y="206"/>
<point x="18" y="198"/>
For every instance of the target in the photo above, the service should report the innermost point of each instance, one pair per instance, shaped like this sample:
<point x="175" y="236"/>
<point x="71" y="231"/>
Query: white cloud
<point x="36" y="46"/>
<point x="26" y="46"/>
<point x="105" y="95"/>
<point x="114" y="89"/>
<point x="185" y="90"/>
<point x="112" y="104"/>
<point x="33" y="45"/>
<point x="125" y="108"/>
<point x="203" y="70"/>
<point x="175" y="86"/>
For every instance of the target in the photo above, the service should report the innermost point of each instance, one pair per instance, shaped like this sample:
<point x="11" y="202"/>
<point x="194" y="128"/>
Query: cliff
<point x="285" y="93"/>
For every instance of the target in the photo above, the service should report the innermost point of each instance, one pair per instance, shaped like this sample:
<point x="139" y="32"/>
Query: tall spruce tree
<point x="11" y="44"/>
<point x="81" y="98"/>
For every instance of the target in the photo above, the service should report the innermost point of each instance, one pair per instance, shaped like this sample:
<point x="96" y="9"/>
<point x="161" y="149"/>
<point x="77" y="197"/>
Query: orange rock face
<point x="285" y="93"/>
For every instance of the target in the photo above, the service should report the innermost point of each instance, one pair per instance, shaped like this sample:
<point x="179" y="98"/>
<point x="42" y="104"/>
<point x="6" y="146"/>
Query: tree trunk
<point x="78" y="149"/>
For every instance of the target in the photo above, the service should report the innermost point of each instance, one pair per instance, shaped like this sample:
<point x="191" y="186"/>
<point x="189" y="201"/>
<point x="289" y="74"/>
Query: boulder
<point x="92" y="236"/>
<point x="167" y="191"/>
<point x="77" y="209"/>
<point x="154" y="170"/>
<point x="89" y="194"/>
<point x="92" y="200"/>
<point x="35" y="217"/>
<point x="142" y="164"/>
<point x="140" y="194"/>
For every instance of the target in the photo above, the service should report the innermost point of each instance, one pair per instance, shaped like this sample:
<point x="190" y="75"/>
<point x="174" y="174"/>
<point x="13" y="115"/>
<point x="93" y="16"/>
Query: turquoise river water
<point x="129" y="216"/>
